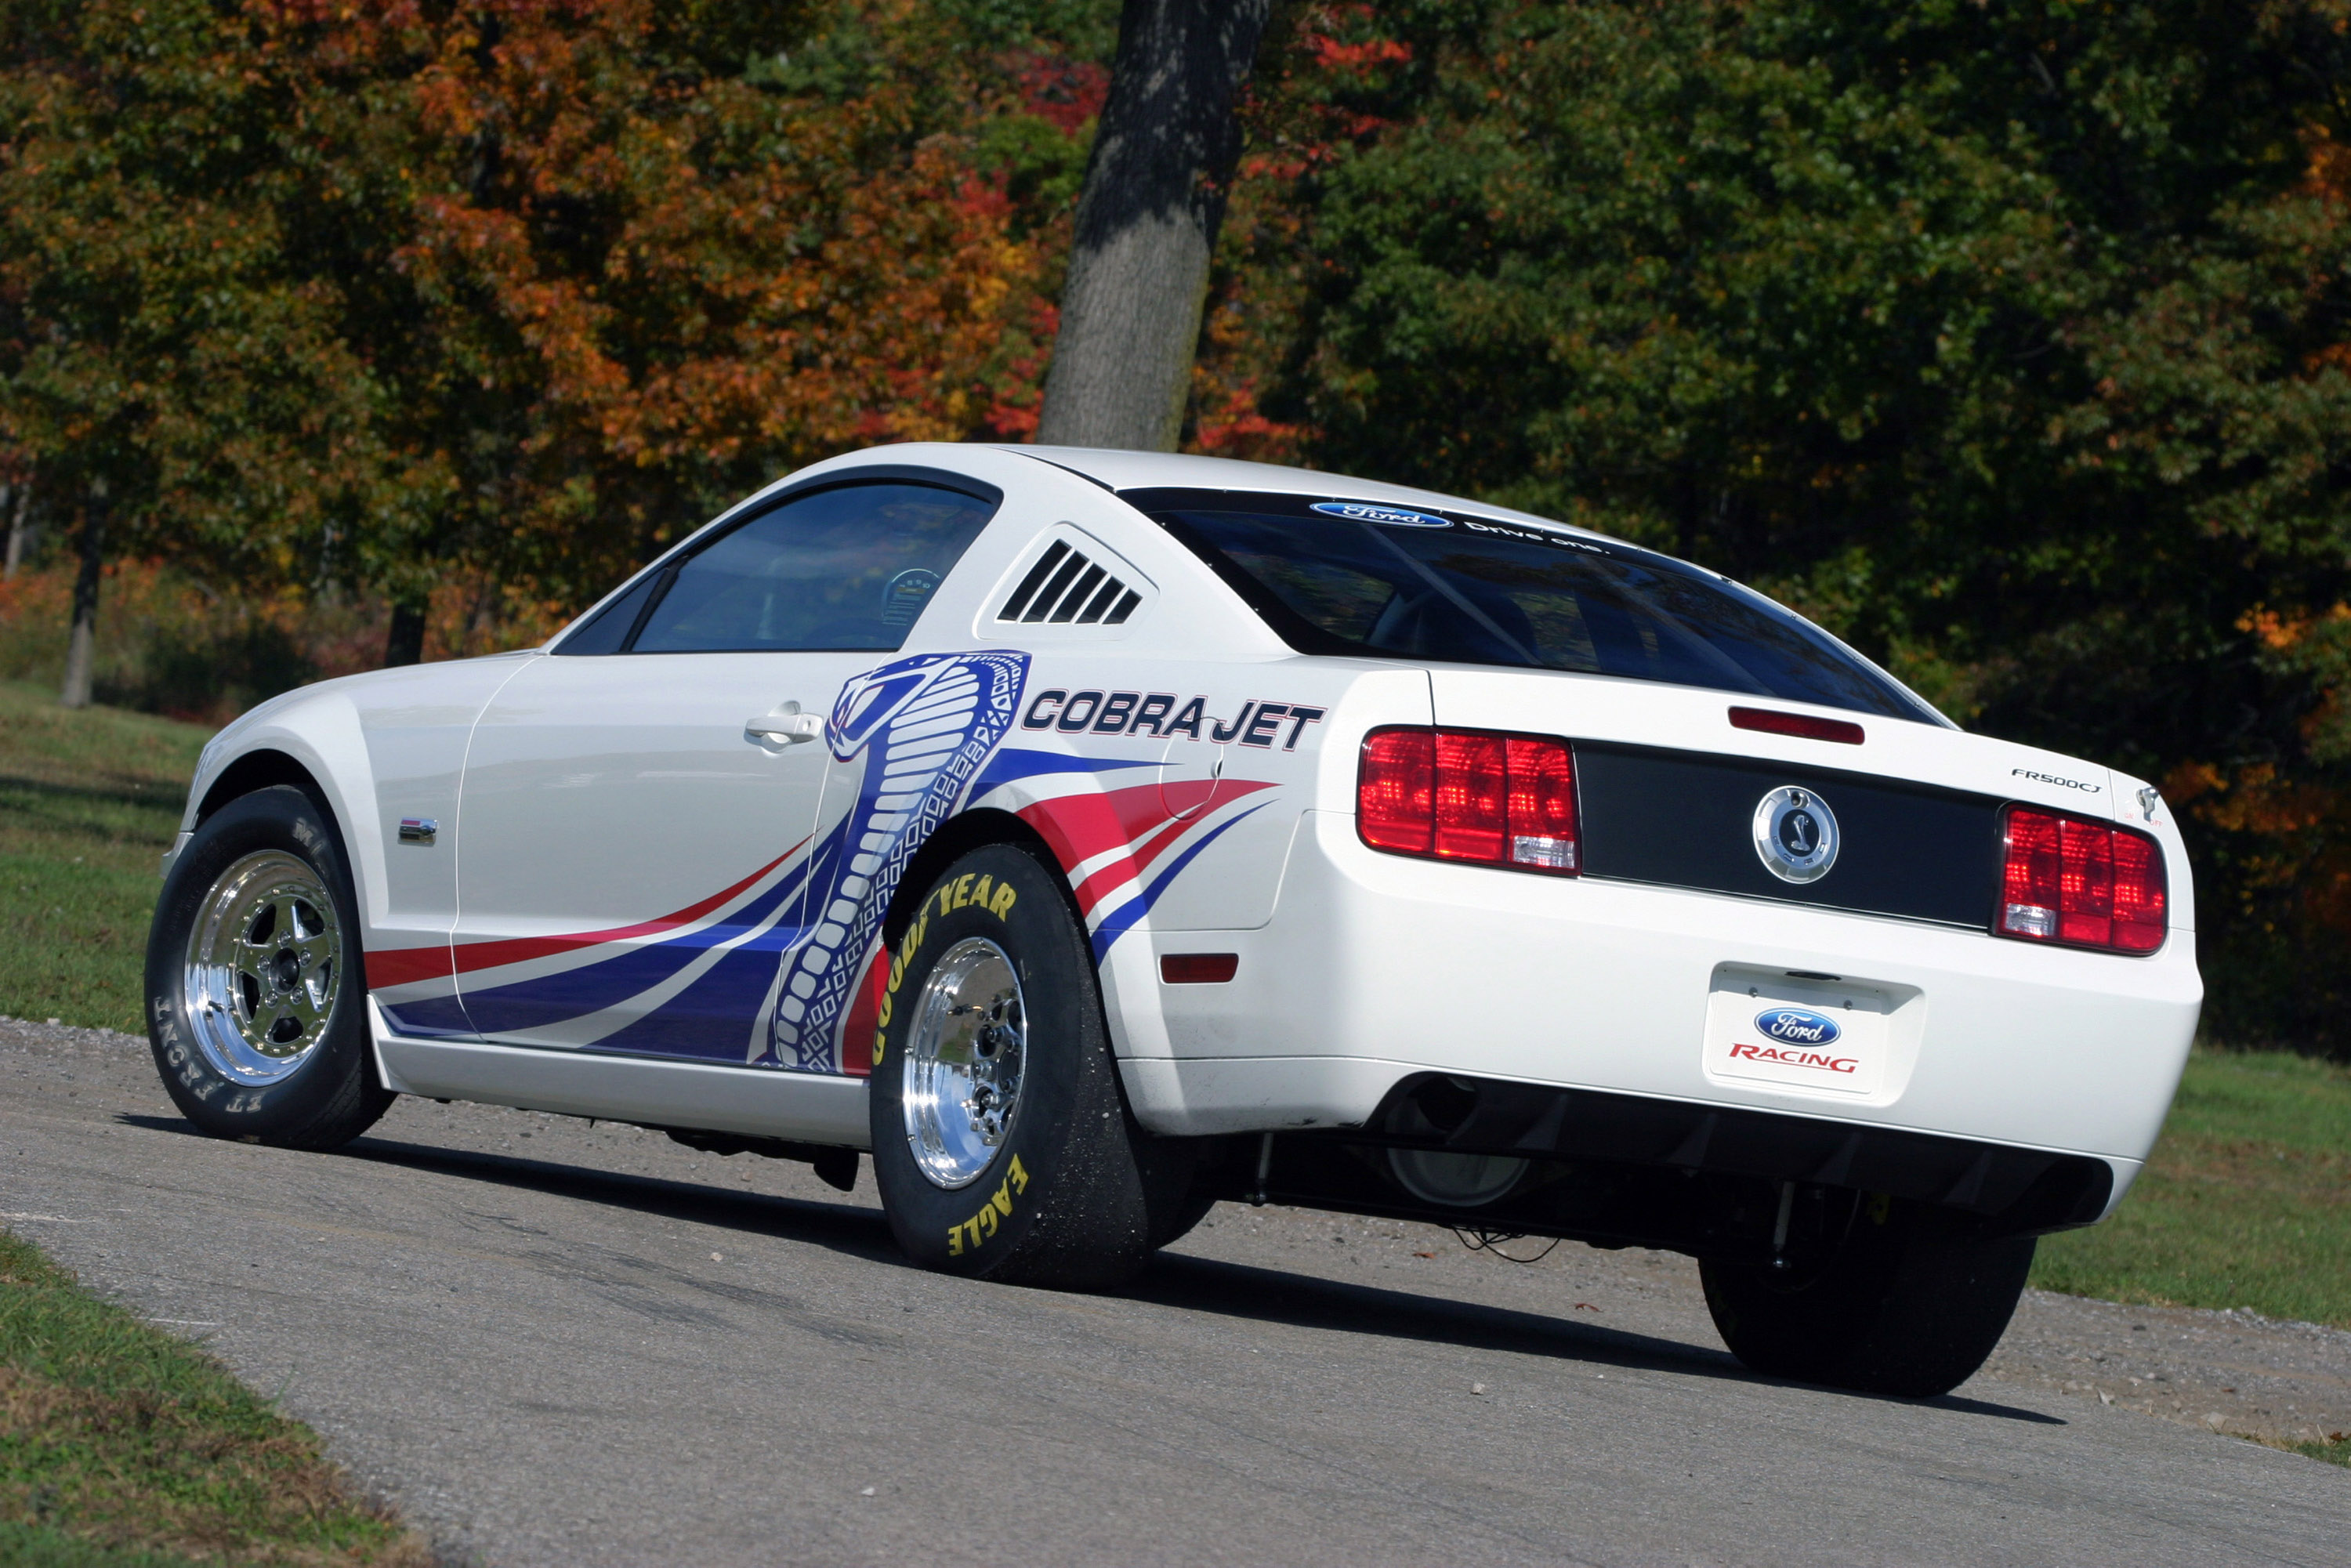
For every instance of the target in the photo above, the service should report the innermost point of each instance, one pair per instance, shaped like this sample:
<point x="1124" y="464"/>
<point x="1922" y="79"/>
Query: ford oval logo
<point x="1395" y="517"/>
<point x="1798" y="1026"/>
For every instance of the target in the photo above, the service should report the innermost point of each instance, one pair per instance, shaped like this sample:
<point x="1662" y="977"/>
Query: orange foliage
<point x="661" y="287"/>
<point x="2330" y="179"/>
<point x="2295" y="833"/>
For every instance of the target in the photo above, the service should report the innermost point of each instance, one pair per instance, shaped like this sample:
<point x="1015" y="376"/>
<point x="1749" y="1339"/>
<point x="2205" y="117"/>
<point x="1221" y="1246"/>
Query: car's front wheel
<point x="1002" y="1145"/>
<point x="256" y="1010"/>
<point x="1911" y="1305"/>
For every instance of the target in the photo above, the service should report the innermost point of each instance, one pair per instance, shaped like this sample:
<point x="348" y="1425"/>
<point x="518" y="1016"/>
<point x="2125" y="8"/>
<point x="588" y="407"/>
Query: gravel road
<point x="548" y="1342"/>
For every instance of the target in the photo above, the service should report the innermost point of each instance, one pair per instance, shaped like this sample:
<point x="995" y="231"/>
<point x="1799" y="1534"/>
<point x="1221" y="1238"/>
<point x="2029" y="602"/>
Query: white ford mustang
<point x="1093" y="836"/>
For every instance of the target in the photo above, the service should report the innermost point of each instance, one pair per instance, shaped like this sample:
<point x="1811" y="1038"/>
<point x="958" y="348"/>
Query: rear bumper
<point x="1376" y="967"/>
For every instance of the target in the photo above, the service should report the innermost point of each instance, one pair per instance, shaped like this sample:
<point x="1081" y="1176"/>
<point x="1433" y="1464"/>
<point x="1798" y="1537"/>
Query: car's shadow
<point x="1174" y="1281"/>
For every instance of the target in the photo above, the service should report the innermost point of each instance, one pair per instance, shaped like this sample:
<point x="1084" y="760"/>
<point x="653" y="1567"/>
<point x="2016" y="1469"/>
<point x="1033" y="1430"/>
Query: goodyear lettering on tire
<point x="991" y="1215"/>
<point x="993" y="897"/>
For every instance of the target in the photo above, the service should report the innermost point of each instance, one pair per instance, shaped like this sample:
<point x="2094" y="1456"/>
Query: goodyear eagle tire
<point x="257" y="993"/>
<point x="1911" y="1307"/>
<point x="1002" y="1145"/>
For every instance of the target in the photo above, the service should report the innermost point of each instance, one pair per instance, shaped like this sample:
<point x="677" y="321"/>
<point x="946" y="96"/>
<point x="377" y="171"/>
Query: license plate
<point x="1821" y="1039"/>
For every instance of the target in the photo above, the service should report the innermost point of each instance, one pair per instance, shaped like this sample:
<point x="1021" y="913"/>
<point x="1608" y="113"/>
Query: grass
<point x="2245" y="1203"/>
<point x="89" y="802"/>
<point x="124" y="1447"/>
<point x="2337" y="1451"/>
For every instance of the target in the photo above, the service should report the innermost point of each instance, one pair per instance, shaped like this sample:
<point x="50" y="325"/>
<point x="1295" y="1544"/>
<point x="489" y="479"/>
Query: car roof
<point x="1123" y="470"/>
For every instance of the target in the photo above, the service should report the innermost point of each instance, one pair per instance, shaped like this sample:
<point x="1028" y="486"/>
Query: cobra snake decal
<point x="924" y="727"/>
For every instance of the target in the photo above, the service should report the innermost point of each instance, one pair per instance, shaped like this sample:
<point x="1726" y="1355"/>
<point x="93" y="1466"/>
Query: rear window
<point x="1352" y="578"/>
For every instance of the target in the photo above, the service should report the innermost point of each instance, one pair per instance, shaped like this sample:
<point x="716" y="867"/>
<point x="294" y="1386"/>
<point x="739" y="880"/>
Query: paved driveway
<point x="554" y="1343"/>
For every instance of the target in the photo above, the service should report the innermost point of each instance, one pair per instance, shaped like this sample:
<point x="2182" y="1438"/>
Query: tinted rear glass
<point x="1348" y="578"/>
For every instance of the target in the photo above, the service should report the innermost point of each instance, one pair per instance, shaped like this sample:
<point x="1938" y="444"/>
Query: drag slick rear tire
<point x="1002" y="1145"/>
<point x="1911" y="1305"/>
<point x="257" y="994"/>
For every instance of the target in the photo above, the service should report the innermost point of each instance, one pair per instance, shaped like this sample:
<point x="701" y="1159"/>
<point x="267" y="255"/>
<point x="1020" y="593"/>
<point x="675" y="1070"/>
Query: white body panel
<point x="1591" y="984"/>
<point x="614" y="811"/>
<point x="619" y="795"/>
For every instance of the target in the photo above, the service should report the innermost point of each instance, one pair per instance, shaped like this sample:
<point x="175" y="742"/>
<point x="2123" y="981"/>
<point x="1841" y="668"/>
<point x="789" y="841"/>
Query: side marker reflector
<point x="1198" y="969"/>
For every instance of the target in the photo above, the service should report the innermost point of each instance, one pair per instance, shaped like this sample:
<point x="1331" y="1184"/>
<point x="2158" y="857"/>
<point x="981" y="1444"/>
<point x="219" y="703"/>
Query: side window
<point x="845" y="569"/>
<point x="610" y="628"/>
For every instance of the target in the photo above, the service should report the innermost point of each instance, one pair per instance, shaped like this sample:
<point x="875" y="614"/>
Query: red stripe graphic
<point x="1080" y="827"/>
<point x="406" y="966"/>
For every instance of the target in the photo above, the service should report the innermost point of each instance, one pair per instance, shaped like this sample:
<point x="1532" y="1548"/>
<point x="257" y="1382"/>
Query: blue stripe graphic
<point x="1118" y="922"/>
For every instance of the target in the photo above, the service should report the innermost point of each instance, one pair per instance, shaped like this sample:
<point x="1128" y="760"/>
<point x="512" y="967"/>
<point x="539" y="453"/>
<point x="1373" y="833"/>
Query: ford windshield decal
<point x="1392" y="517"/>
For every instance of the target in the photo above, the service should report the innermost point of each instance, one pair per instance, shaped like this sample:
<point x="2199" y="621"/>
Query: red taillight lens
<point x="1543" y="805"/>
<point x="1396" y="790"/>
<point x="2087" y="884"/>
<point x="2141" y="914"/>
<point x="1466" y="795"/>
<point x="1473" y="796"/>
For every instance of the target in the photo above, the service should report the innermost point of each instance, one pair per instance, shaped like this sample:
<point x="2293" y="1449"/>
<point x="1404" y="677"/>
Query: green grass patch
<point x="89" y="802"/>
<point x="121" y="1445"/>
<point x="2335" y="1451"/>
<point x="2245" y="1203"/>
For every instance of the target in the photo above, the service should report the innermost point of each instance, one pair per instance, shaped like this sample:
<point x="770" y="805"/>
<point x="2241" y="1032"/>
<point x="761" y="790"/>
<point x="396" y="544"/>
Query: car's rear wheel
<point x="255" y="1000"/>
<point x="1002" y="1145"/>
<point x="1911" y="1305"/>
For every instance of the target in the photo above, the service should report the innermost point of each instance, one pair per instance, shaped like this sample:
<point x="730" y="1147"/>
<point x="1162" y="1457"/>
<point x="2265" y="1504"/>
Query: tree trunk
<point x="405" y="644"/>
<point x="14" y="499"/>
<point x="1155" y="195"/>
<point x="81" y="649"/>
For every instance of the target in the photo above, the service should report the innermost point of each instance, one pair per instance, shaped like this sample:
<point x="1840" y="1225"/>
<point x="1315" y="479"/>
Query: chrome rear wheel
<point x="964" y="1057"/>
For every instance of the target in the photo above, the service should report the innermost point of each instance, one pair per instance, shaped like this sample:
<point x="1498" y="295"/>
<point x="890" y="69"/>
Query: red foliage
<point x="1064" y="92"/>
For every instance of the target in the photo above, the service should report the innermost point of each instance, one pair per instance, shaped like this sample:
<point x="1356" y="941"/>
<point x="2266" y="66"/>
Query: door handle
<point x="787" y="724"/>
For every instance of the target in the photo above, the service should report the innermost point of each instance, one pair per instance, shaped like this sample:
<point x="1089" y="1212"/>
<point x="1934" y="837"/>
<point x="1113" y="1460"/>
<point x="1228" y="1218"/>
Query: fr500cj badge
<point x="1079" y="840"/>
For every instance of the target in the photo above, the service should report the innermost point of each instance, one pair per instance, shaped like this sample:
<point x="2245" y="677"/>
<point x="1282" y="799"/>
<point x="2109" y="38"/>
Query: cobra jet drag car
<point x="1090" y="837"/>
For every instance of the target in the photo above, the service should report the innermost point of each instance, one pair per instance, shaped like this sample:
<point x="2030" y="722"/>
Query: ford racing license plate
<point x="1823" y="1039"/>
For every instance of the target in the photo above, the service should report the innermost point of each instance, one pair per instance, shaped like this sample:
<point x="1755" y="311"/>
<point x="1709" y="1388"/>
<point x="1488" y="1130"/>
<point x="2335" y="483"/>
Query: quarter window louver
<point x="1064" y="588"/>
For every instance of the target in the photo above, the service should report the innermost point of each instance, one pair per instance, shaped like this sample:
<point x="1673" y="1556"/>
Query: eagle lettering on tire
<point x="1002" y="1145"/>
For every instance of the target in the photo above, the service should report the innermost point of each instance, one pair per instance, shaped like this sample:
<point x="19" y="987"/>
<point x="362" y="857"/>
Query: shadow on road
<point x="1174" y="1281"/>
<point x="857" y="1230"/>
<point x="1306" y="1301"/>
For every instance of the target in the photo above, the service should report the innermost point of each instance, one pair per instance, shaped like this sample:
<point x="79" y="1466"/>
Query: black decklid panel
<point x="1687" y="819"/>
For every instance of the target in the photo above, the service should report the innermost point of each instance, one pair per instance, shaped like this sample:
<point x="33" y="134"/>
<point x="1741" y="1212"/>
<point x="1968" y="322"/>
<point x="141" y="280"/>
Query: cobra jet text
<point x="1259" y="723"/>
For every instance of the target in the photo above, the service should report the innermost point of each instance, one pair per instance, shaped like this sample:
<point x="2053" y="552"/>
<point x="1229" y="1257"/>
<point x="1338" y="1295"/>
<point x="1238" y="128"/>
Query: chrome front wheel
<point x="264" y="963"/>
<point x="965" y="1052"/>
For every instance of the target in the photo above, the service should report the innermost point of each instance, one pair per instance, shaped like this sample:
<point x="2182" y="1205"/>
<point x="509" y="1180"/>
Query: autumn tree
<point x="390" y="295"/>
<point x="174" y="377"/>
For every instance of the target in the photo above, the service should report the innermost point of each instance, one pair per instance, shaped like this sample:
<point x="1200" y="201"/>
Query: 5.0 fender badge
<point x="1796" y="834"/>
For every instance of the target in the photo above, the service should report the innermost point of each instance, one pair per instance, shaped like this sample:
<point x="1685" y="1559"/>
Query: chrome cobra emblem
<point x="1796" y="834"/>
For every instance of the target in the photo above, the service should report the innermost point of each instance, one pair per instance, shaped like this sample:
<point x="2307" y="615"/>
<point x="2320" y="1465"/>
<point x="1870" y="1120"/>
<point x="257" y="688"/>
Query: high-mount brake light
<point x="1803" y="725"/>
<point x="1470" y="796"/>
<point x="2084" y="884"/>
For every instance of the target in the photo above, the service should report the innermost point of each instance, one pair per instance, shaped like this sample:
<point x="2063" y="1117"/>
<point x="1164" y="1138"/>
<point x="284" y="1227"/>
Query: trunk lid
<point x="1669" y="792"/>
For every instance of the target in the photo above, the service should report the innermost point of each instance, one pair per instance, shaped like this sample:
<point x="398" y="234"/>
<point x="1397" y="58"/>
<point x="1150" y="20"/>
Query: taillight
<point x="2089" y="884"/>
<point x="1471" y="796"/>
